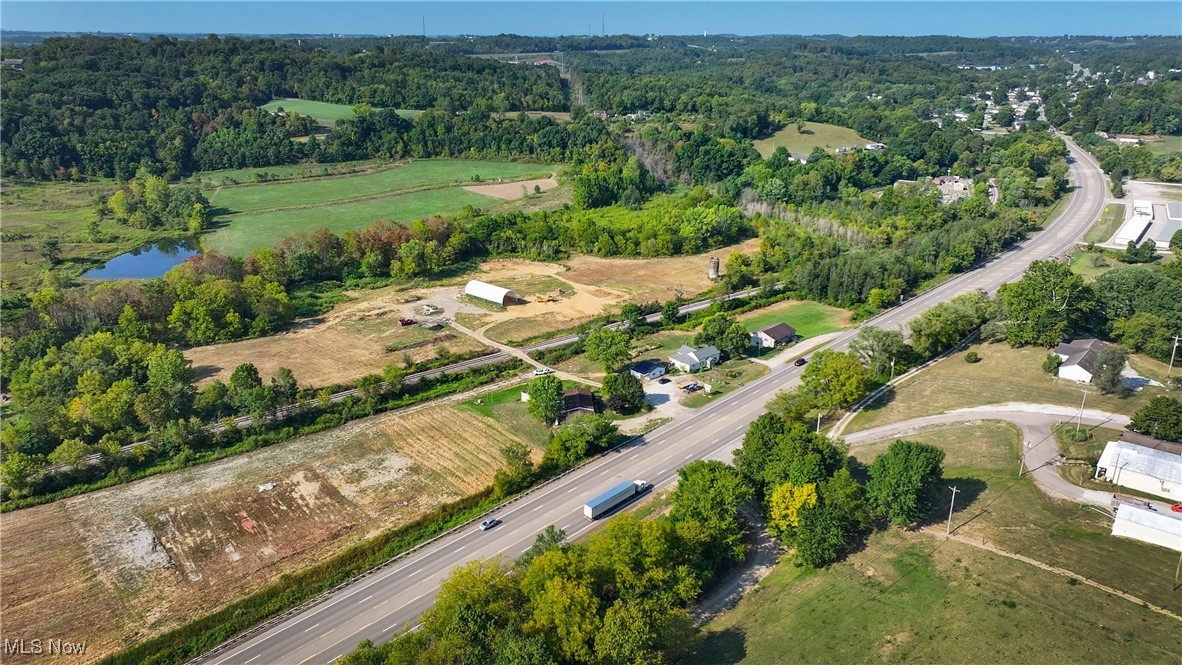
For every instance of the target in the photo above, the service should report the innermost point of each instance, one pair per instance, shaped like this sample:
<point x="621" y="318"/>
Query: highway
<point x="384" y="603"/>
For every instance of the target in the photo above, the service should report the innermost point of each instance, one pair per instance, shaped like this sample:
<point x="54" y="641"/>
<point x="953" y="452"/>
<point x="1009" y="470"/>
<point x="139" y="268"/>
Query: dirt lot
<point x="343" y="345"/>
<point x="509" y="191"/>
<point x="130" y="562"/>
<point x="652" y="279"/>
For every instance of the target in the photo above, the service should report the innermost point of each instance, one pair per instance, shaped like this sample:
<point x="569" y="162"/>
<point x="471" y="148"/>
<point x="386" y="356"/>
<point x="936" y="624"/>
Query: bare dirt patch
<point x="124" y="564"/>
<point x="509" y="191"/>
<point x="345" y="344"/>
<point x="652" y="279"/>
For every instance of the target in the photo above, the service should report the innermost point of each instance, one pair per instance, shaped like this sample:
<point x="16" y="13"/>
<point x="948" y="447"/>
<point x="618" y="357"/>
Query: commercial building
<point x="1144" y="464"/>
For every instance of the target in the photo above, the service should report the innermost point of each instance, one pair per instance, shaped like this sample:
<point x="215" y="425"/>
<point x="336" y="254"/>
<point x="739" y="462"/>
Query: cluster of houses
<point x="855" y="148"/>
<point x="636" y="116"/>
<point x="690" y="359"/>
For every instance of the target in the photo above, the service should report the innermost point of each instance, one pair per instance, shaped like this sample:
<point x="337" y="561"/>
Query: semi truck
<point x="612" y="498"/>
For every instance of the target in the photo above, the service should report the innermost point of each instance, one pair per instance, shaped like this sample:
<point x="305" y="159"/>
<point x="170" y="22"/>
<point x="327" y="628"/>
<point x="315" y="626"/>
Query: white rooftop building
<point x="490" y="292"/>
<point x="1152" y="470"/>
<point x="1134" y="228"/>
<point x="1150" y="526"/>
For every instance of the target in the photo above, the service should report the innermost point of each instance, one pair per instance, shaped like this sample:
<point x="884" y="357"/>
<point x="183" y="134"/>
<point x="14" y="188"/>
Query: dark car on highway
<point x="799" y="361"/>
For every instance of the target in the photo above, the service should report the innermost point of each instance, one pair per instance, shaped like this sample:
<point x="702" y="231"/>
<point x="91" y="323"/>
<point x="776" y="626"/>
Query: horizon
<point x="980" y="19"/>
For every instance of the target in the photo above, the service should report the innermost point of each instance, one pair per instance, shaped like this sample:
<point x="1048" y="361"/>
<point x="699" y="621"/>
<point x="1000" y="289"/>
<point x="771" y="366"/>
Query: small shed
<point x="774" y="335"/>
<point x="490" y="292"/>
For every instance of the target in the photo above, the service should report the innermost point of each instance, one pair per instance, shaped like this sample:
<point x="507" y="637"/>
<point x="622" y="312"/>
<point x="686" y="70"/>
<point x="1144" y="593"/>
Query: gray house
<point x="689" y="359"/>
<point x="774" y="335"/>
<point x="1079" y="359"/>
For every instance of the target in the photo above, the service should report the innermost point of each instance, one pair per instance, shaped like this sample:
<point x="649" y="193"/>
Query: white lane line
<point x="255" y="658"/>
<point x="459" y="549"/>
<point x="311" y="627"/>
<point x="689" y="456"/>
<point x="389" y="628"/>
<point x="660" y="472"/>
<point x="537" y="508"/>
<point x="365" y="599"/>
<point x="417" y="572"/>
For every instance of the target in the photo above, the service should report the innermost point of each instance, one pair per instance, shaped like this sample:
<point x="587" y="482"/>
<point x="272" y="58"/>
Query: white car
<point x="542" y="371"/>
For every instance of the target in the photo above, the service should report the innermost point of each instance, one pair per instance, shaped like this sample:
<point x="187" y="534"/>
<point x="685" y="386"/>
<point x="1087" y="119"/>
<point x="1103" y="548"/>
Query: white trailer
<point x="612" y="498"/>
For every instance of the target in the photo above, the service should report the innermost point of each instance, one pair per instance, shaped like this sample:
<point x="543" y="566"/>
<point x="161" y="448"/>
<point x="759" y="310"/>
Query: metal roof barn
<point x="490" y="292"/>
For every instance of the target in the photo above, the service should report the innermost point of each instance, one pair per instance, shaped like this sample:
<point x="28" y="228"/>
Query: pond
<point x="151" y="260"/>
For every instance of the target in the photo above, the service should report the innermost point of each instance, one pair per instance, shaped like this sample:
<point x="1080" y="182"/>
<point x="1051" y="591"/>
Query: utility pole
<point x="1177" y="569"/>
<point x="892" y="371"/>
<point x="1170" y="369"/>
<point x="818" y="423"/>
<point x="424" y="26"/>
<point x="948" y="531"/>
<point x="1079" y="423"/>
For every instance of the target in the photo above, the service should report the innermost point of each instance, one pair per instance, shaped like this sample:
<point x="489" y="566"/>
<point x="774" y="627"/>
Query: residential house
<point x="774" y="335"/>
<point x="15" y="63"/>
<point x="1079" y="359"/>
<point x="875" y="146"/>
<point x="647" y="370"/>
<point x="577" y="400"/>
<point x="690" y="359"/>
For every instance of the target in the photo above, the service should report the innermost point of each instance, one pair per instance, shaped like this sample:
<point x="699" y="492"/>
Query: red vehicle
<point x="799" y="361"/>
<point x="1177" y="507"/>
<point x="406" y="322"/>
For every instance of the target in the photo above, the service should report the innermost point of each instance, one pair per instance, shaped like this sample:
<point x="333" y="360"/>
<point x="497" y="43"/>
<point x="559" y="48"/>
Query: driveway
<point x="1040" y="452"/>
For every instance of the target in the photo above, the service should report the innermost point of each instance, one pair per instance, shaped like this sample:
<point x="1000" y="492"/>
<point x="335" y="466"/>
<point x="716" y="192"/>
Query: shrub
<point x="972" y="357"/>
<point x="1051" y="363"/>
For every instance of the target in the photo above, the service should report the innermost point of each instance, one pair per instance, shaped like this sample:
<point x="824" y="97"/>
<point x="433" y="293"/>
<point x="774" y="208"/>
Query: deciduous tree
<point x="836" y="380"/>
<point x="545" y="398"/>
<point x="904" y="481"/>
<point x="610" y="348"/>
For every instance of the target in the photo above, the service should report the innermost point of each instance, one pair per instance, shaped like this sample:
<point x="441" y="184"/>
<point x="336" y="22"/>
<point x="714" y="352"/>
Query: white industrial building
<point x="1148" y="525"/>
<point x="1135" y="227"/>
<point x="490" y="292"/>
<point x="1143" y="464"/>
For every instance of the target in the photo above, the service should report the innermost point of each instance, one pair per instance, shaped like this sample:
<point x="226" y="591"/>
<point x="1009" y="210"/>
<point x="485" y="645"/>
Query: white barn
<point x="1150" y="526"/>
<point x="490" y="292"/>
<point x="1154" y="470"/>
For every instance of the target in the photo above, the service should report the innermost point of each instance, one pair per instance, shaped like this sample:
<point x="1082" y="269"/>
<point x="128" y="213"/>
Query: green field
<point x="414" y="175"/>
<point x="325" y="113"/>
<point x="210" y="179"/>
<point x="816" y="135"/>
<point x="1003" y="375"/>
<point x="912" y="597"/>
<point x="260" y="215"/>
<point x="810" y="319"/>
<point x="243" y="234"/>
<point x="1109" y="222"/>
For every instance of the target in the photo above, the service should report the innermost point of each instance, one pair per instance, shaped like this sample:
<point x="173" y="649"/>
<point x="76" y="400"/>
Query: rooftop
<point x="1122" y="456"/>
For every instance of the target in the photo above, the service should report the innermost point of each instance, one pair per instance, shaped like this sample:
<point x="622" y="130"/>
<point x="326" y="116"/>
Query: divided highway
<point x="380" y="605"/>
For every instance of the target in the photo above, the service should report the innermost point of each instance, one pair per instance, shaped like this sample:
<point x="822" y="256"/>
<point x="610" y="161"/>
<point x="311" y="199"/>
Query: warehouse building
<point x="490" y="292"/>
<point x="1143" y="464"/>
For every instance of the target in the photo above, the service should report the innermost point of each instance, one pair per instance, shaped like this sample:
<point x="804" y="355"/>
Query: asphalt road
<point x="382" y="604"/>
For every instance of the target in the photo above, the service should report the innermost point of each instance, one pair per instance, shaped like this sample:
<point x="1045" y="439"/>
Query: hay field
<point x="124" y="564"/>
<point x="325" y="113"/>
<point x="816" y="135"/>
<point x="652" y="279"/>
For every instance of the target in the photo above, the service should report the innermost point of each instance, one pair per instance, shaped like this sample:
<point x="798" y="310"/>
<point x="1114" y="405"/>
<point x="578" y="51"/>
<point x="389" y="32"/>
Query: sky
<point x="946" y="17"/>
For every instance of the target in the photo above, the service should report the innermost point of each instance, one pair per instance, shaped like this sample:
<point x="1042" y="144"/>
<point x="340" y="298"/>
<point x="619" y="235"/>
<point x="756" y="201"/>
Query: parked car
<point x="489" y="523"/>
<point x="542" y="371"/>
<point x="1177" y="507"/>
<point x="799" y="361"/>
<point x="664" y="380"/>
<point x="406" y="322"/>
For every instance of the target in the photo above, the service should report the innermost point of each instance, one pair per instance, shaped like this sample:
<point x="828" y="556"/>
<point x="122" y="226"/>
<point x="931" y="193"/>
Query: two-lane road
<point x="380" y="605"/>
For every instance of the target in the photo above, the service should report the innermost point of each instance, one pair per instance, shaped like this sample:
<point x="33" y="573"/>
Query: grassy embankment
<point x="1003" y="375"/>
<point x="260" y="215"/>
<point x="815" y="135"/>
<point x="914" y="598"/>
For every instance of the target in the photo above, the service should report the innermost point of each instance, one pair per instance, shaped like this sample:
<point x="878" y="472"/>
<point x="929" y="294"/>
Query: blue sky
<point x="950" y="17"/>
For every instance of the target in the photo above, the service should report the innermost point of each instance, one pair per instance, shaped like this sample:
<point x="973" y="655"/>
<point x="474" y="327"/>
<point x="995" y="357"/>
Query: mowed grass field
<point x="1110" y="220"/>
<point x="1003" y="375"/>
<point x="911" y="597"/>
<point x="815" y="135"/>
<point x="810" y="319"/>
<point x="260" y="215"/>
<point x="324" y="112"/>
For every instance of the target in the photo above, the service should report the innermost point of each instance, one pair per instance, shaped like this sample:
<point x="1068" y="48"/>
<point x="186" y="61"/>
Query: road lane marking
<point x="255" y="658"/>
<point x="365" y="599"/>
<point x="311" y="627"/>
<point x="461" y="549"/>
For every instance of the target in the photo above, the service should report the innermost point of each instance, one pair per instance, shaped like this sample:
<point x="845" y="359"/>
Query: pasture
<point x="324" y="112"/>
<point x="810" y="319"/>
<point x="260" y="215"/>
<point x="116" y="567"/>
<point x="913" y="597"/>
<point x="815" y="135"/>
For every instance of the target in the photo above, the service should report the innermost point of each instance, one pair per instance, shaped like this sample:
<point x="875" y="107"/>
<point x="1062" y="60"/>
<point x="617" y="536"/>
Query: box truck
<point x="617" y="495"/>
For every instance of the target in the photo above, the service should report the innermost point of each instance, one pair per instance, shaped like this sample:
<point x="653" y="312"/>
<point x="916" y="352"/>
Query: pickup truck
<point x="616" y="496"/>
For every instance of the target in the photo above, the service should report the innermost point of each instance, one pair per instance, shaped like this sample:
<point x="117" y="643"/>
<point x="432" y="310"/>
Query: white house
<point x="1150" y="526"/>
<point x="774" y="335"/>
<point x="490" y="292"/>
<point x="689" y="359"/>
<point x="1079" y="359"/>
<point x="1143" y="464"/>
<point x="647" y="370"/>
